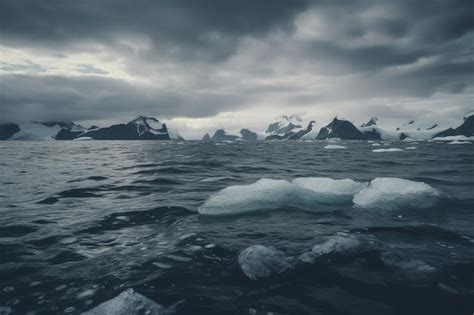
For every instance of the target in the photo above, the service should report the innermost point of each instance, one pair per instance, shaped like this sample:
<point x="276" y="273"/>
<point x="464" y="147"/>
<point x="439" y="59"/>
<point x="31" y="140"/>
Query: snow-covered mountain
<point x="224" y="135"/>
<point x="466" y="129"/>
<point x="284" y="127"/>
<point x="141" y="128"/>
<point x="399" y="129"/>
<point x="341" y="129"/>
<point x="44" y="130"/>
<point x="8" y="130"/>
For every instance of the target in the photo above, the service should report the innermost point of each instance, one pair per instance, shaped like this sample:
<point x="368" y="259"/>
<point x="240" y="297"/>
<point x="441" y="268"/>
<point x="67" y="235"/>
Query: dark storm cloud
<point x="27" y="98"/>
<point x="360" y="49"/>
<point x="205" y="29"/>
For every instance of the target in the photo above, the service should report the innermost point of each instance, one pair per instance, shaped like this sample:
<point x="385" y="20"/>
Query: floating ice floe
<point x="337" y="244"/>
<point x="459" y="142"/>
<point x="270" y="194"/>
<point x="129" y="303"/>
<point x="259" y="261"/>
<point x="308" y="192"/>
<point x="454" y="138"/>
<point x="376" y="144"/>
<point x="410" y="148"/>
<point x="334" y="147"/>
<point x="330" y="187"/>
<point x="391" y="193"/>
<point x="387" y="150"/>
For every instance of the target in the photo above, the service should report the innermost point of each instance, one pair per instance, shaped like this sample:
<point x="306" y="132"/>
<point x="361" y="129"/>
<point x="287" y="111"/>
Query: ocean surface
<point x="81" y="222"/>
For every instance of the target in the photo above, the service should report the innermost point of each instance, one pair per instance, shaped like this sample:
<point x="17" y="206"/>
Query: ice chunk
<point x="387" y="150"/>
<point x="129" y="303"/>
<point x="334" y="147"/>
<point x="410" y="148"/>
<point x="391" y="193"/>
<point x="259" y="261"/>
<point x="459" y="142"/>
<point x="265" y="194"/>
<point x="270" y="194"/>
<point x="86" y="294"/>
<point x="337" y="244"/>
<point x="454" y="138"/>
<point x="329" y="186"/>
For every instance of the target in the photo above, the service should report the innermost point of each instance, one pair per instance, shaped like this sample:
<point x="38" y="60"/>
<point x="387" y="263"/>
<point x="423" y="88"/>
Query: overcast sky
<point x="201" y="65"/>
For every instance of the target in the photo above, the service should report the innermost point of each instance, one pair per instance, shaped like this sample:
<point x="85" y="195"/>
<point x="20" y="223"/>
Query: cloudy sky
<point x="201" y="65"/>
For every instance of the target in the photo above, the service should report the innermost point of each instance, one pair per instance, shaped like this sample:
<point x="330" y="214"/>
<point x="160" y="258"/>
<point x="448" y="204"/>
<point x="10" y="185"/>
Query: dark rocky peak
<point x="342" y="129"/>
<point x="371" y="122"/>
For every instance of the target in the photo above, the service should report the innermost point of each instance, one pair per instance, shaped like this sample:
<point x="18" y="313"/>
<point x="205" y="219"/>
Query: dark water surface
<point x="80" y="222"/>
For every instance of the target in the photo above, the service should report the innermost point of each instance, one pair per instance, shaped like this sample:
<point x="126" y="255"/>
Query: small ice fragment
<point x="85" y="294"/>
<point x="259" y="261"/>
<point x="387" y="150"/>
<point x="128" y="303"/>
<point x="334" y="147"/>
<point x="162" y="265"/>
<point x="179" y="258"/>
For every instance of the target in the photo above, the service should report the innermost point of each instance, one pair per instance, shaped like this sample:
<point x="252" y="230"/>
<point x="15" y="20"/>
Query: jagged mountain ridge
<point x="376" y="128"/>
<point x="141" y="128"/>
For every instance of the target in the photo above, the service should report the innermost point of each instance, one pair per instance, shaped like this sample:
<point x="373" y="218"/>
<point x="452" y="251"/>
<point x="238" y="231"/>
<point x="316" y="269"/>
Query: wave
<point x="306" y="193"/>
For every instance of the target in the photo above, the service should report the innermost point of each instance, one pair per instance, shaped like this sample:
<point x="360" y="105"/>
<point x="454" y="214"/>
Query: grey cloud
<point x="369" y="49"/>
<point x="90" y="69"/>
<point x="26" y="98"/>
<point x="204" y="29"/>
<point x="28" y="66"/>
